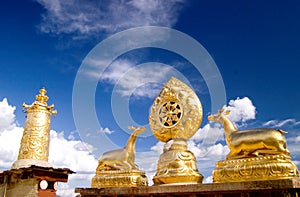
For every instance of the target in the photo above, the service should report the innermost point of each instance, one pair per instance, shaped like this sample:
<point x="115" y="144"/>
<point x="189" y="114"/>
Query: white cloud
<point x="130" y="79"/>
<point x="209" y="134"/>
<point x="213" y="152"/>
<point x="293" y="145"/>
<point x="241" y="110"/>
<point x="9" y="146"/>
<point x="144" y="80"/>
<point x="78" y="180"/>
<point x="297" y="162"/>
<point x="208" y="180"/>
<point x="217" y="151"/>
<point x="116" y="71"/>
<point x="72" y="154"/>
<point x="106" y="131"/>
<point x="75" y="155"/>
<point x="277" y="123"/>
<point x="147" y="162"/>
<point x="10" y="135"/>
<point x="7" y="116"/>
<point x="88" y="18"/>
<point x="64" y="189"/>
<point x="158" y="147"/>
<point x="297" y="139"/>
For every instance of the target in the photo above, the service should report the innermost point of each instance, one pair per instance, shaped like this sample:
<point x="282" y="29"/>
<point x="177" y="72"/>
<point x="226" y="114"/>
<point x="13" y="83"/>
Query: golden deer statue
<point x="253" y="142"/>
<point x="121" y="159"/>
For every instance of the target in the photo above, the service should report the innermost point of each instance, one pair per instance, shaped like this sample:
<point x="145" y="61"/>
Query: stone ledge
<point x="49" y="173"/>
<point x="195" y="189"/>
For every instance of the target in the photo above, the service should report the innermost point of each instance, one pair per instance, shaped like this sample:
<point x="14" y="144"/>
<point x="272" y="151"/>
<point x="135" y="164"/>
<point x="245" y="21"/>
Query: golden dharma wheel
<point x="176" y="113"/>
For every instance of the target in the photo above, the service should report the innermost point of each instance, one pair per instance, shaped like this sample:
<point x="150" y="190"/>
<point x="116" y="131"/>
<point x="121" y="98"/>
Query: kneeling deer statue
<point x="253" y="142"/>
<point x="121" y="159"/>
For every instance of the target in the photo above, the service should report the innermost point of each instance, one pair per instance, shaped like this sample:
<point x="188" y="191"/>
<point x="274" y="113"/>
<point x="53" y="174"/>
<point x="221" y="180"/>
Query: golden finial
<point x="42" y="98"/>
<point x="40" y="103"/>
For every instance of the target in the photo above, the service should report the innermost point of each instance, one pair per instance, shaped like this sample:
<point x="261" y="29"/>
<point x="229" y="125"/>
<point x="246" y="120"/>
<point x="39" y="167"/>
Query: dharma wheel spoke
<point x="170" y="114"/>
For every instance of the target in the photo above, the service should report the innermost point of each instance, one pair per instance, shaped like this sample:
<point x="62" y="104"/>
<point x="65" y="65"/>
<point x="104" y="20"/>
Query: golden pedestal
<point x="177" y="165"/>
<point x="119" y="178"/>
<point x="176" y="114"/>
<point x="271" y="167"/>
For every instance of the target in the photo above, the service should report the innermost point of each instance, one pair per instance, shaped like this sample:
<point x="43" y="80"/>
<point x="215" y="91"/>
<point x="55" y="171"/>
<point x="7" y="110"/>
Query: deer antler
<point x="131" y="128"/>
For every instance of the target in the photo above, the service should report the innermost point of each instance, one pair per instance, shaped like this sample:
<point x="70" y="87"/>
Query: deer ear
<point x="222" y="109"/>
<point x="130" y="127"/>
<point x="227" y="112"/>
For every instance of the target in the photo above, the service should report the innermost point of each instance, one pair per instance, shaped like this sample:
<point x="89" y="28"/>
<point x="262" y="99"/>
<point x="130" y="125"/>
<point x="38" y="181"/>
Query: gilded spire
<point x="34" y="147"/>
<point x="40" y="103"/>
<point x="42" y="98"/>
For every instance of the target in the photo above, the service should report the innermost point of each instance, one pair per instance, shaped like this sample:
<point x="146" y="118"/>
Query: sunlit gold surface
<point x="269" y="167"/>
<point x="177" y="165"/>
<point x="119" y="178"/>
<point x="176" y="114"/>
<point x="117" y="168"/>
<point x="170" y="114"/>
<point x="34" y="147"/>
<point x="256" y="154"/>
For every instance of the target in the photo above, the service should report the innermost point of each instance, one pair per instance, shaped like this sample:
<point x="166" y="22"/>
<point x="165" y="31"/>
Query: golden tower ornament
<point x="117" y="168"/>
<point x="176" y="114"/>
<point x="34" y="146"/>
<point x="255" y="154"/>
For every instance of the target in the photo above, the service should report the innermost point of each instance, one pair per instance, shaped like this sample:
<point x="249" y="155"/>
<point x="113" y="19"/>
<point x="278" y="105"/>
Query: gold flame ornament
<point x="34" y="146"/>
<point x="176" y="115"/>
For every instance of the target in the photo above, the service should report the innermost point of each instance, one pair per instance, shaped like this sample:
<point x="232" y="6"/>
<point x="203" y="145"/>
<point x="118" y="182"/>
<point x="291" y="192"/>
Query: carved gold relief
<point x="253" y="169"/>
<point x="34" y="146"/>
<point x="34" y="143"/>
<point x="119" y="178"/>
<point x="176" y="114"/>
<point x="170" y="113"/>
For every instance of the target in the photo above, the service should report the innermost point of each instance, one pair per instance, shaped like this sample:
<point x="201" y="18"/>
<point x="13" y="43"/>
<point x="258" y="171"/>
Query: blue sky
<point x="255" y="45"/>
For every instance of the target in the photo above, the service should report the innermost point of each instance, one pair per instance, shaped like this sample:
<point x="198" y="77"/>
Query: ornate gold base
<point x="272" y="167"/>
<point x="118" y="178"/>
<point x="177" y="167"/>
<point x="177" y="180"/>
